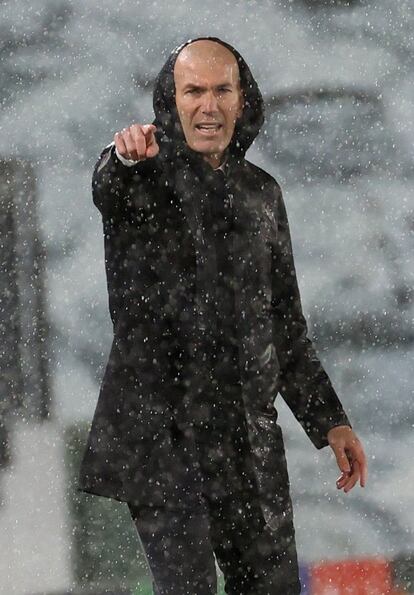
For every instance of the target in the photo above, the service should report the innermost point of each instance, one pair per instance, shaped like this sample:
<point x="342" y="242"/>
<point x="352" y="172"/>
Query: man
<point x="208" y="328"/>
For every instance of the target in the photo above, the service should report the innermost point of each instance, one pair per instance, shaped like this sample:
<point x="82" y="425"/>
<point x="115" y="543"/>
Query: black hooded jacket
<point x="216" y="290"/>
<point x="160" y="262"/>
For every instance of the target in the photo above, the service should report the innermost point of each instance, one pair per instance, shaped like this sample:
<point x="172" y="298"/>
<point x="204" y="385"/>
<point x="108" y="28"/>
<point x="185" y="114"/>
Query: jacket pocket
<point x="270" y="467"/>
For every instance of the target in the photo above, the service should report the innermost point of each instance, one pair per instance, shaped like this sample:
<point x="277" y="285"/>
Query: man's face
<point x="208" y="97"/>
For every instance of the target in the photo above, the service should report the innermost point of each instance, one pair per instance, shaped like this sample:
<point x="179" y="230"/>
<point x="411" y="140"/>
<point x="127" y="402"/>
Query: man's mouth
<point x="208" y="129"/>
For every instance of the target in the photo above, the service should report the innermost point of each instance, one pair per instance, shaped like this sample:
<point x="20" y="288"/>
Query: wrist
<point x="340" y="428"/>
<point x="124" y="160"/>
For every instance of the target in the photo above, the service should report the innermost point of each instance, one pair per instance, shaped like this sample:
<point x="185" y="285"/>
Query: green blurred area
<point x="145" y="588"/>
<point x="106" y="550"/>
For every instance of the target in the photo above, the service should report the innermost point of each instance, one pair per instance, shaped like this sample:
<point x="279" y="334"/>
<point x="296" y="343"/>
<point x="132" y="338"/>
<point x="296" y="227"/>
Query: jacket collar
<point x="221" y="167"/>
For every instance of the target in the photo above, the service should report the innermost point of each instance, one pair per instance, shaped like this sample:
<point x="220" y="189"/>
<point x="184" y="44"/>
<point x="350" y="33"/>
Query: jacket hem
<point x="95" y="491"/>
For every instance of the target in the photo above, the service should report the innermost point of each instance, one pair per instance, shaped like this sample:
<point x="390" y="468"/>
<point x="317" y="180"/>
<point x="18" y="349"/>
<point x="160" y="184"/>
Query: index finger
<point x="341" y="459"/>
<point x="139" y="141"/>
<point x="148" y="129"/>
<point x="353" y="478"/>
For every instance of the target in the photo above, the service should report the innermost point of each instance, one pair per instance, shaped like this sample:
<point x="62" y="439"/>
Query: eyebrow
<point x="199" y="87"/>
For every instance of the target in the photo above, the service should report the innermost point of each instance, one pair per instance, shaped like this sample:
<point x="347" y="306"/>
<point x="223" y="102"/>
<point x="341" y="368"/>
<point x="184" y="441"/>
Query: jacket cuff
<point x="319" y="435"/>
<point x="124" y="161"/>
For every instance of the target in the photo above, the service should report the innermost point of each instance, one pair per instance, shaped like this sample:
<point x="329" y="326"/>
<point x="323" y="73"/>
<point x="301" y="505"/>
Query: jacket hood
<point x="170" y="133"/>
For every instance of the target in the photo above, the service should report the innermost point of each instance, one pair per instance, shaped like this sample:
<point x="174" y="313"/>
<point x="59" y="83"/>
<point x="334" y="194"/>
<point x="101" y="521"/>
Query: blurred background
<point x="338" y="82"/>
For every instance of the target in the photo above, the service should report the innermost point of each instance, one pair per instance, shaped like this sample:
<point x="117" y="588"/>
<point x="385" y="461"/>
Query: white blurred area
<point x="34" y="525"/>
<point x="78" y="74"/>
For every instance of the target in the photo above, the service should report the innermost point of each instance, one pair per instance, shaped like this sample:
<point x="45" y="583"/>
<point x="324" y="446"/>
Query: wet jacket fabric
<point x="162" y="261"/>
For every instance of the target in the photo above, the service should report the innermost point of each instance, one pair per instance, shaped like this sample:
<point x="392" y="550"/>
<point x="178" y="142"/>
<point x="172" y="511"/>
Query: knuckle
<point x="137" y="131"/>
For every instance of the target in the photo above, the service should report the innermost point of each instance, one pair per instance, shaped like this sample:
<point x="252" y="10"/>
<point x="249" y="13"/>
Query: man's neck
<point x="216" y="161"/>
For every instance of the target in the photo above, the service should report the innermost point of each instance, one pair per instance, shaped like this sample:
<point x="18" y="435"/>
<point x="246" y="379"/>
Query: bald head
<point x="206" y="53"/>
<point x="208" y="97"/>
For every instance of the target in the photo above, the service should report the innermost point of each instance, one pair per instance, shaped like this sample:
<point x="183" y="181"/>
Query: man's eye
<point x="224" y="90"/>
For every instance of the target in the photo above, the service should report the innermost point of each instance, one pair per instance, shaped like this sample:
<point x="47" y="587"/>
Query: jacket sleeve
<point x="122" y="196"/>
<point x="304" y="384"/>
<point x="112" y="184"/>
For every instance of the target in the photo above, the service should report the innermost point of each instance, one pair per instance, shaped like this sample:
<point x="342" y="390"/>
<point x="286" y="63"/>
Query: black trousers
<point x="181" y="545"/>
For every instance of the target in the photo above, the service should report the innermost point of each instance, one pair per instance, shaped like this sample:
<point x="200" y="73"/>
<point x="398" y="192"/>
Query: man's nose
<point x="209" y="102"/>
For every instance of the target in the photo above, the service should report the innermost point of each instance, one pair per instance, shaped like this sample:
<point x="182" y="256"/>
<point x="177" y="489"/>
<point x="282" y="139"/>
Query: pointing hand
<point x="137" y="142"/>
